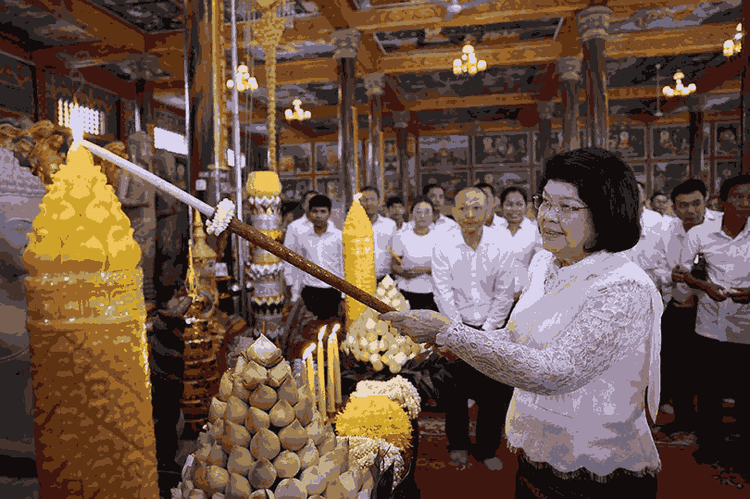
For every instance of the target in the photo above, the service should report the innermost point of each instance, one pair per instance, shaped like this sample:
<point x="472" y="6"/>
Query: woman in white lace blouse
<point x="582" y="344"/>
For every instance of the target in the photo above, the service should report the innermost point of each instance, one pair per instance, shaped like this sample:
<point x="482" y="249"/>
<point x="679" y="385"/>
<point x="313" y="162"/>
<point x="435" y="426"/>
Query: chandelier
<point x="679" y="89"/>
<point x="734" y="44"/>
<point x="243" y="79"/>
<point x="298" y="114"/>
<point x="468" y="62"/>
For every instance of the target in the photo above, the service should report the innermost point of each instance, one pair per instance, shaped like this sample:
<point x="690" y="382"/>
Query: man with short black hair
<point x="396" y="211"/>
<point x="660" y="203"/>
<point x="294" y="231"/>
<point x="493" y="222"/>
<point x="322" y="246"/>
<point x="383" y="230"/>
<point x="723" y="318"/>
<point x="475" y="282"/>
<point x="436" y="195"/>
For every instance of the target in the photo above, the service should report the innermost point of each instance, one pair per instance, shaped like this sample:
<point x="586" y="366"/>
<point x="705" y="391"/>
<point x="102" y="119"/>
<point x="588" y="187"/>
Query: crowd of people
<point x="570" y="323"/>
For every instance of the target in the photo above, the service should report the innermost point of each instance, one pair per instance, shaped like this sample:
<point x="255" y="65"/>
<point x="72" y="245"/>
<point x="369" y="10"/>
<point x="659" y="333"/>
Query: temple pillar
<point x="698" y="161"/>
<point x="374" y="169"/>
<point x="592" y="27"/>
<point x="569" y="72"/>
<point x="401" y="124"/>
<point x="745" y="96"/>
<point x="346" y="45"/>
<point x="545" y="110"/>
<point x="200" y="127"/>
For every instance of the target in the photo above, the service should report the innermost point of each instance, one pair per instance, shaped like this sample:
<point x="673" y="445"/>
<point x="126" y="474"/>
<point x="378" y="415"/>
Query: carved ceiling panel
<point x="33" y="28"/>
<point x="681" y="16"/>
<point x="150" y="16"/>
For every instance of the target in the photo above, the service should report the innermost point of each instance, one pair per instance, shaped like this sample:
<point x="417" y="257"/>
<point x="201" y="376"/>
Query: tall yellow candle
<point x="321" y="373"/>
<point x="307" y="356"/>
<point x="331" y="372"/>
<point x="336" y="364"/>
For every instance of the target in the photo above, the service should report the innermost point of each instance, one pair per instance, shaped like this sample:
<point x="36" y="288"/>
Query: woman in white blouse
<point x="413" y="247"/>
<point x="582" y="344"/>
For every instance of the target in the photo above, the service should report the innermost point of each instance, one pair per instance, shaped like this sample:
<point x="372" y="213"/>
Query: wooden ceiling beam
<point x="666" y="42"/>
<point x="9" y="45"/>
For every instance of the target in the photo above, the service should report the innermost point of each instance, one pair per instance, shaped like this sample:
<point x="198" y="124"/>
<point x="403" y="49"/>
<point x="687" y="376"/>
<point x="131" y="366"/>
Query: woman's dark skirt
<point x="539" y="481"/>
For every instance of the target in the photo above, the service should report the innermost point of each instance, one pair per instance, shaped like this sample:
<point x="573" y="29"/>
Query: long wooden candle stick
<point x="244" y="230"/>
<point x="331" y="371"/>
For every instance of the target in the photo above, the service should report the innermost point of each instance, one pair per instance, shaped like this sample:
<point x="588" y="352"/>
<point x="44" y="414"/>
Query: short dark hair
<point x="485" y="185"/>
<point x="658" y="193"/>
<point x="308" y="192"/>
<point x="393" y="200"/>
<point x="687" y="187"/>
<point x="730" y="183"/>
<point x="427" y="188"/>
<point x="371" y="188"/>
<point x="422" y="199"/>
<point x="607" y="185"/>
<point x="508" y="190"/>
<point x="320" y="201"/>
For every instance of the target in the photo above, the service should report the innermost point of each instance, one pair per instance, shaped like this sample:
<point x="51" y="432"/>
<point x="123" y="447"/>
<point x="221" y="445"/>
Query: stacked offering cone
<point x="93" y="429"/>
<point x="371" y="340"/>
<point x="266" y="438"/>
<point x="359" y="257"/>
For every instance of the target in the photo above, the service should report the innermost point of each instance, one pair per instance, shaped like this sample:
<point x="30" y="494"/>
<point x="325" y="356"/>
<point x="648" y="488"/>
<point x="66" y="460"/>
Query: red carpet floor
<point x="681" y="477"/>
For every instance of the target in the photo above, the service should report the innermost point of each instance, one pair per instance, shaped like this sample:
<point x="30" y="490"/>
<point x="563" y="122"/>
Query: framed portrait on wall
<point x="556" y="144"/>
<point x="444" y="150"/>
<point x="502" y="179"/>
<point x="331" y="187"/>
<point x="504" y="149"/>
<point x="450" y="182"/>
<point x="671" y="141"/>
<point x="292" y="189"/>
<point x="327" y="157"/>
<point x="726" y="170"/>
<point x="726" y="140"/>
<point x="669" y="174"/>
<point x="295" y="158"/>
<point x="630" y="143"/>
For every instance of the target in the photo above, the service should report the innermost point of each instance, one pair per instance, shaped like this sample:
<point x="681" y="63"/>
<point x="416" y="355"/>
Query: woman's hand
<point x="716" y="292"/>
<point x="421" y="325"/>
<point x="740" y="295"/>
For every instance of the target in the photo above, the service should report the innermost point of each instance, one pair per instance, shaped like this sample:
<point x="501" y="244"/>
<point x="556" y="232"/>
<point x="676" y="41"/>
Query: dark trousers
<point x="680" y="359"/>
<point x="722" y="374"/>
<point x="493" y="399"/>
<point x="541" y="482"/>
<point x="322" y="302"/>
<point x="420" y="301"/>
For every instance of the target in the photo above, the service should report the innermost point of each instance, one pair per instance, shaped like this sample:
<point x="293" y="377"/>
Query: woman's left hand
<point x="421" y="325"/>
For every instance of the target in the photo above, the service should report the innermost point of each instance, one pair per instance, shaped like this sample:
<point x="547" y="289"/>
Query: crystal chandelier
<point x="734" y="44"/>
<point x="298" y="114"/>
<point x="679" y="89"/>
<point x="468" y="62"/>
<point x="243" y="79"/>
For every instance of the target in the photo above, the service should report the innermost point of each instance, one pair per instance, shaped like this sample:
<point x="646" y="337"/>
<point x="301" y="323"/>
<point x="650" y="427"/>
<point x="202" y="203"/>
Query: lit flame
<point x="336" y="327"/>
<point x="321" y="333"/>
<point x="308" y="351"/>
<point x="331" y="338"/>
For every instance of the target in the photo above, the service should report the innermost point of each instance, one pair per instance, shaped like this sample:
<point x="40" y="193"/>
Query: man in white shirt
<point x="436" y="195"/>
<point x="294" y="231"/>
<point x="396" y="211"/>
<point x="322" y="245"/>
<point x="475" y="281"/>
<point x="660" y="203"/>
<point x="723" y="319"/>
<point x="678" y="320"/>
<point x="520" y="233"/>
<point x="383" y="230"/>
<point x="493" y="222"/>
<point x="649" y="218"/>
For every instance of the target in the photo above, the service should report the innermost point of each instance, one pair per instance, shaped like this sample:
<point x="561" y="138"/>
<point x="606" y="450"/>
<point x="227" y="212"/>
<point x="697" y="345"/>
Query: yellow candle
<point x="309" y="370"/>
<point x="331" y="372"/>
<point x="337" y="364"/>
<point x="321" y="374"/>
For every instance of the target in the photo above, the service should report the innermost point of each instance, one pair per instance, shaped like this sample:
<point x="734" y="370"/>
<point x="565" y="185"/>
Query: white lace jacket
<point x="578" y="349"/>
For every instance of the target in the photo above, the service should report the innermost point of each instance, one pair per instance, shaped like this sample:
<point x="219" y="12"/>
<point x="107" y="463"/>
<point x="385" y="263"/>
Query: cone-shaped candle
<point x="359" y="257"/>
<point x="94" y="430"/>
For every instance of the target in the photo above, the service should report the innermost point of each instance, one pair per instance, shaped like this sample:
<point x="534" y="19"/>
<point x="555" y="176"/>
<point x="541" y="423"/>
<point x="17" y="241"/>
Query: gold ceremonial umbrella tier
<point x="92" y="393"/>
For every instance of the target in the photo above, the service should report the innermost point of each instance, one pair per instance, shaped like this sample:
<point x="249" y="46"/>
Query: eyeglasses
<point x="543" y="204"/>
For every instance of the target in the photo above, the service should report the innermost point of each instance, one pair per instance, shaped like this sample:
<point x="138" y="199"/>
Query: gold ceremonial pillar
<point x="569" y="71"/>
<point x="375" y="170"/>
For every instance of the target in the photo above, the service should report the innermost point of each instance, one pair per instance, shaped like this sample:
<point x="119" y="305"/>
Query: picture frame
<point x="669" y="174"/>
<point x="628" y="142"/>
<point x="725" y="170"/>
<point x="503" y="178"/>
<point x="444" y="151"/>
<point x="507" y="149"/>
<point x="670" y="141"/>
<point x="726" y="140"/>
<point x="293" y="188"/>
<point x="295" y="158"/>
<point x="556" y="144"/>
<point x="327" y="157"/>
<point x="450" y="182"/>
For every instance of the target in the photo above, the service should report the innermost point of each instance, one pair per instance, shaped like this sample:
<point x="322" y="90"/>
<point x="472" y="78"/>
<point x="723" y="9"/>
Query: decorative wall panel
<point x="670" y="141"/>
<point x="508" y="149"/>
<point x="17" y="83"/>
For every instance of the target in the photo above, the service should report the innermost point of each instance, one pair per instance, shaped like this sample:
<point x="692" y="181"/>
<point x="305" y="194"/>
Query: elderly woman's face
<point x="565" y="222"/>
